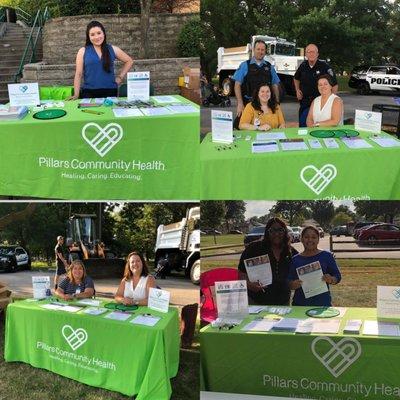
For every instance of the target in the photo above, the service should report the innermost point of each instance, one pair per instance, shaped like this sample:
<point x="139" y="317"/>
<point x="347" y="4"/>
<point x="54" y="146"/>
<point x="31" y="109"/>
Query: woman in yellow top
<point x="263" y="113"/>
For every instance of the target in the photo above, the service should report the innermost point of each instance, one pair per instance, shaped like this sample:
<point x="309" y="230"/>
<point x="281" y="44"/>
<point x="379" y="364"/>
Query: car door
<point x="376" y="78"/>
<point x="21" y="256"/>
<point x="393" y="232"/>
<point x="393" y="78"/>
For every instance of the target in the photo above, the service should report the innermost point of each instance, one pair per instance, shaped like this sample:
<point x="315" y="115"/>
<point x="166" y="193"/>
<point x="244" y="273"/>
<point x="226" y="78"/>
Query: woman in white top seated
<point x="327" y="109"/>
<point x="135" y="285"/>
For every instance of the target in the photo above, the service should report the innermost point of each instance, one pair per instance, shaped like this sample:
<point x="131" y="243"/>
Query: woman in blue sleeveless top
<point x="95" y="63"/>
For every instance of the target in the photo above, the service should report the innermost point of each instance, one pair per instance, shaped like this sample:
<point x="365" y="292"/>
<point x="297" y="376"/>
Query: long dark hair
<point x="272" y="104"/>
<point x="286" y="248"/>
<point x="105" y="53"/>
<point x="128" y="272"/>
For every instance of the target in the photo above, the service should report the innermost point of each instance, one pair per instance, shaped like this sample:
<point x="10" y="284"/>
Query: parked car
<point x="340" y="230"/>
<point x="321" y="232"/>
<point x="361" y="225"/>
<point x="235" y="232"/>
<point x="367" y="78"/>
<point x="256" y="233"/>
<point x="380" y="234"/>
<point x="212" y="232"/>
<point x="291" y="234"/>
<point x="13" y="258"/>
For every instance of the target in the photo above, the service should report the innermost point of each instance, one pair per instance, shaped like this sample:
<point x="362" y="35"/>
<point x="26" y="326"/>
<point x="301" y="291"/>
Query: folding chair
<point x="208" y="310"/>
<point x="390" y="117"/>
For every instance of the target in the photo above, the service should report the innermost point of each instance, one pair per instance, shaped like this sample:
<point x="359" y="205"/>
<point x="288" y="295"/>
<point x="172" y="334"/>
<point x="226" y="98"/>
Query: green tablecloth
<point x="236" y="173"/>
<point x="153" y="157"/>
<point x="292" y="364"/>
<point x="115" y="355"/>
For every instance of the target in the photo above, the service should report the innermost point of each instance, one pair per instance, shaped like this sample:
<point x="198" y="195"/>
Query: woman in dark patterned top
<point x="273" y="249"/>
<point x="77" y="285"/>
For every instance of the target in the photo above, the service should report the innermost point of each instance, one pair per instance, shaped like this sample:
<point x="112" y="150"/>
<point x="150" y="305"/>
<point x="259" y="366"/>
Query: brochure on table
<point x="41" y="287"/>
<point x="259" y="270"/>
<point x="222" y="126"/>
<point x="311" y="277"/>
<point x="368" y="121"/>
<point x="159" y="300"/>
<point x="388" y="302"/>
<point x="232" y="301"/>
<point x="24" y="94"/>
<point x="138" y="85"/>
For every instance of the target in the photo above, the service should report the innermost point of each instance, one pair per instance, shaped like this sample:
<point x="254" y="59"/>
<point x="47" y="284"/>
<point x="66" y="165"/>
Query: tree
<point x="17" y="215"/>
<point x="145" y="7"/>
<point x="212" y="214"/>
<point x="341" y="218"/>
<point x="323" y="212"/>
<point x="234" y="216"/>
<point x="290" y="209"/>
<point x="374" y="209"/>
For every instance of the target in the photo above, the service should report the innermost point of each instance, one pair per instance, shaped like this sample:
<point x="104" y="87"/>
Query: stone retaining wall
<point x="63" y="36"/>
<point x="164" y="73"/>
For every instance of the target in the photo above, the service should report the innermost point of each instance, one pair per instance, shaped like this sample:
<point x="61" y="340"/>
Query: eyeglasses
<point x="276" y="230"/>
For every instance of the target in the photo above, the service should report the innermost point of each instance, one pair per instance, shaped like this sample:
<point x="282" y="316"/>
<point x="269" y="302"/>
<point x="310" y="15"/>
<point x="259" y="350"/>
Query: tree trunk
<point x="145" y="6"/>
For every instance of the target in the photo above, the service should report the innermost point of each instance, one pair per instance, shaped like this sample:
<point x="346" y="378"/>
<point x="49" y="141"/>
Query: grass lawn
<point x="360" y="278"/>
<point x="19" y="381"/>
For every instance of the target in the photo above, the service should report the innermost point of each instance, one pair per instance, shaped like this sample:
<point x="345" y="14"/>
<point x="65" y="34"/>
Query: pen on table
<point x="93" y="112"/>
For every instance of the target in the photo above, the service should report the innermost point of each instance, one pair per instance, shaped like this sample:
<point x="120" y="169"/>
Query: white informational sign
<point x="368" y="121"/>
<point x="24" y="94"/>
<point x="158" y="300"/>
<point x="311" y="276"/>
<point x="259" y="270"/>
<point x="388" y="302"/>
<point x="41" y="287"/>
<point x="232" y="301"/>
<point x="222" y="126"/>
<point x="138" y="86"/>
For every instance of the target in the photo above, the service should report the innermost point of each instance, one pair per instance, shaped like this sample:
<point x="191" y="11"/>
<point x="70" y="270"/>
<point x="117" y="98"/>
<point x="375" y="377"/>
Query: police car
<point x="13" y="258"/>
<point x="381" y="77"/>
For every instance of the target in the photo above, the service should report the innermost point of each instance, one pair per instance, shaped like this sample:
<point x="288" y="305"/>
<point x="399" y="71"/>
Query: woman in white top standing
<point x="327" y="109"/>
<point x="136" y="283"/>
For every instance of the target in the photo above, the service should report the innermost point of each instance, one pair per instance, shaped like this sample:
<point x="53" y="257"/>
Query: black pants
<point x="97" y="93"/>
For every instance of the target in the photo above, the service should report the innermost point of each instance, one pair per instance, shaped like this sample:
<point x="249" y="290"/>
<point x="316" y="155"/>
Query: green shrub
<point x="189" y="39"/>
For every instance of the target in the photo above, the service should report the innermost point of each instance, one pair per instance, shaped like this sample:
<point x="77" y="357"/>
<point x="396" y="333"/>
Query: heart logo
<point x="368" y="115"/>
<point x="336" y="357"/>
<point x="396" y="293"/>
<point x="75" y="338"/>
<point x="318" y="179"/>
<point x="23" y="89"/>
<point x="102" y="140"/>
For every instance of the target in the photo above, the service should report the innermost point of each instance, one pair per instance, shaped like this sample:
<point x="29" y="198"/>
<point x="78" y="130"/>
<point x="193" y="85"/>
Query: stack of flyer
<point x="13" y="113"/>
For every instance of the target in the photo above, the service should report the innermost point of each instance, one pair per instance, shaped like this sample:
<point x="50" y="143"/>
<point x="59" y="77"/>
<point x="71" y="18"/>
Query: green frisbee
<point x="50" y="114"/>
<point x="322" y="134"/>
<point x="323" y="312"/>
<point x="346" y="133"/>
<point x="120" y="307"/>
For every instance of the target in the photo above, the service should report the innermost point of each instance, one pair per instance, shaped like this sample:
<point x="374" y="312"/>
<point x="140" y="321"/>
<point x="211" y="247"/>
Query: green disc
<point x="323" y="312"/>
<point x="49" y="114"/>
<point x="111" y="306"/>
<point x="346" y="133"/>
<point x="123" y="307"/>
<point x="322" y="134"/>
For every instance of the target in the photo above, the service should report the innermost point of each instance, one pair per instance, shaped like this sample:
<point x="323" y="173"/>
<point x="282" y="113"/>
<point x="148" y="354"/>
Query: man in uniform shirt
<point x="251" y="74"/>
<point x="305" y="81"/>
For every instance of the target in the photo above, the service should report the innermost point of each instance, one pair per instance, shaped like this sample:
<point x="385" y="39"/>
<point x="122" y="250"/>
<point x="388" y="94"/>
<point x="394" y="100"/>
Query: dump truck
<point x="178" y="246"/>
<point x="280" y="53"/>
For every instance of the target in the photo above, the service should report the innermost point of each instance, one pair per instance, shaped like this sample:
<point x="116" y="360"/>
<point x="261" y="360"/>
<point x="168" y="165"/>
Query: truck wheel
<point x="227" y="87"/>
<point x="195" y="272"/>
<point x="363" y="88"/>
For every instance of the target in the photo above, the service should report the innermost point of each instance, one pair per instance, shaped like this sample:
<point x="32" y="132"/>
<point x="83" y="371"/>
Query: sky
<point x="259" y="208"/>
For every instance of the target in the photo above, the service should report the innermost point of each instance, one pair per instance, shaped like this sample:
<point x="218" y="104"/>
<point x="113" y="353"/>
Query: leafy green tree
<point x="341" y="218"/>
<point x="234" y="216"/>
<point x="189" y="39"/>
<point x="323" y="211"/>
<point x="375" y="209"/>
<point x="290" y="209"/>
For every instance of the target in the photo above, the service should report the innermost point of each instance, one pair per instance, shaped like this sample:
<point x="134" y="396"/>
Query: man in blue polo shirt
<point x="252" y="73"/>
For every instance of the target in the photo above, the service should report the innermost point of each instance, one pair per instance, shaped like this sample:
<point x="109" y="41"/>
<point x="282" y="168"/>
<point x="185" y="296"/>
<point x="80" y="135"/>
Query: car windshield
<point x="258" y="230"/>
<point x="6" y="251"/>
